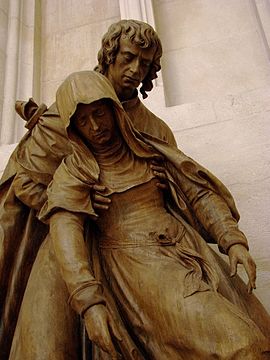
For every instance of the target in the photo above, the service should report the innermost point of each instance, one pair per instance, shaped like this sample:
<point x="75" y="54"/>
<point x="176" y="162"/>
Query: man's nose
<point x="135" y="66"/>
<point x="94" y="125"/>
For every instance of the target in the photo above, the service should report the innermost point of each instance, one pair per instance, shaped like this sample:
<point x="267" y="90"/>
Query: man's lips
<point x="131" y="79"/>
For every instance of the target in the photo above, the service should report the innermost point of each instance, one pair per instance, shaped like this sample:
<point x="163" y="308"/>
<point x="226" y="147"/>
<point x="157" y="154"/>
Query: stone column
<point x="4" y="5"/>
<point x="262" y="13"/>
<point x="11" y="73"/>
<point x="19" y="66"/>
<point x="137" y="10"/>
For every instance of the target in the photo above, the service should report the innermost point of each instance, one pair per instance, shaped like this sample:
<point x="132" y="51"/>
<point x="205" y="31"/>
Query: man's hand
<point x="100" y="326"/>
<point x="238" y="254"/>
<point x="159" y="172"/>
<point x="100" y="202"/>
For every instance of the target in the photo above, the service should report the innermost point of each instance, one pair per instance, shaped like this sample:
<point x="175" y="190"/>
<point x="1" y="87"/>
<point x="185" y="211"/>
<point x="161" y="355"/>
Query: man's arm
<point x="34" y="194"/>
<point x="29" y="192"/>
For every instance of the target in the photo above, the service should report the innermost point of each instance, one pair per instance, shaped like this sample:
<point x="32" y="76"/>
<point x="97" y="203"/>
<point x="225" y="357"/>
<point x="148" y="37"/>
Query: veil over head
<point x="85" y="87"/>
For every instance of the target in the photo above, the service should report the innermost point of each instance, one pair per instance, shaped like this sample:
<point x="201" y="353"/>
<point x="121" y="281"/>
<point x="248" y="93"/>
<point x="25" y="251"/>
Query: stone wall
<point x="216" y="82"/>
<point x="71" y="37"/>
<point x="214" y="48"/>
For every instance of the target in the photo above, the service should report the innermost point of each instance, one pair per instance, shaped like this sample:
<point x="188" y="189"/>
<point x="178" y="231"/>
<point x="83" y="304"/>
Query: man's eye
<point x="146" y="63"/>
<point x="128" y="57"/>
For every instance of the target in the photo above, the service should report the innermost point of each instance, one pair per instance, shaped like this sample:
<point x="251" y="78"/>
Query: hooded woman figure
<point x="139" y="274"/>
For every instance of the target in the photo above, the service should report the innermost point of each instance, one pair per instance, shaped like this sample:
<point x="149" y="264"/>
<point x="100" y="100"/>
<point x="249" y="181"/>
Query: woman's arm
<point x="214" y="214"/>
<point x="216" y="217"/>
<point x="67" y="234"/>
<point x="86" y="298"/>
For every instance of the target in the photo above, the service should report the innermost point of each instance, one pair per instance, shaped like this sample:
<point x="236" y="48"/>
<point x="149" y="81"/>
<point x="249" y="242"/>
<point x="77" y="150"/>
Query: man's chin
<point x="128" y="91"/>
<point x="130" y="83"/>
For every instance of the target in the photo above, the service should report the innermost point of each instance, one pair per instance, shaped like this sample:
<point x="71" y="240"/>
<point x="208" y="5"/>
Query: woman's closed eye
<point x="82" y="121"/>
<point x="99" y="113"/>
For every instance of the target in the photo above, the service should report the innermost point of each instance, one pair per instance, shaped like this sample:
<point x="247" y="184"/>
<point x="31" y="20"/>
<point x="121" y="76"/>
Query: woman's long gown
<point x="161" y="276"/>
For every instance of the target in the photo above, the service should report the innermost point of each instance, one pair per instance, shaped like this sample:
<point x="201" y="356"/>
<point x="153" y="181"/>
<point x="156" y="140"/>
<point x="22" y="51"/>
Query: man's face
<point x="95" y="123"/>
<point x="131" y="66"/>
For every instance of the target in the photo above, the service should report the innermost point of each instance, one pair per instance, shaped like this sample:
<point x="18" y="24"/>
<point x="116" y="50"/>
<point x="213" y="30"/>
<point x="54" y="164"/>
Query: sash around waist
<point x="141" y="239"/>
<point x="137" y="217"/>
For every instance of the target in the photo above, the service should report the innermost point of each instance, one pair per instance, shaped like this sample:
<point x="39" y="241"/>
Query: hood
<point x="86" y="87"/>
<point x="82" y="87"/>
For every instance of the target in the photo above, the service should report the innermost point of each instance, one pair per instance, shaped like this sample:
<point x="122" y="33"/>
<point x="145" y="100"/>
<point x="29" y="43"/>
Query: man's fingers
<point x="159" y="172"/>
<point x="157" y="168"/>
<point x="100" y="202"/>
<point x="98" y="206"/>
<point x="97" y="187"/>
<point x="160" y="175"/>
<point x="101" y="199"/>
<point x="162" y="186"/>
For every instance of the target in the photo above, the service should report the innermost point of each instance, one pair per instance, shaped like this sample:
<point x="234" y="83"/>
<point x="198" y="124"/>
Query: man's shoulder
<point x="147" y="122"/>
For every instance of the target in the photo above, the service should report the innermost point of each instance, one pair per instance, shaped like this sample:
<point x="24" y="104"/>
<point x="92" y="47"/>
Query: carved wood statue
<point x="105" y="224"/>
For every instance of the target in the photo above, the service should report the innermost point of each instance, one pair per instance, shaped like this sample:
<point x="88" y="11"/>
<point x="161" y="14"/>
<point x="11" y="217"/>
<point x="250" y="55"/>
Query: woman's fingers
<point x="114" y="330"/>
<point x="250" y="268"/>
<point x="238" y="254"/>
<point x="100" y="327"/>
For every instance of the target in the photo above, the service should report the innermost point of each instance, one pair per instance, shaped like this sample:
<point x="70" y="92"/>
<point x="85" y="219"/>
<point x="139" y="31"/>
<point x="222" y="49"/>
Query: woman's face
<point x="95" y="122"/>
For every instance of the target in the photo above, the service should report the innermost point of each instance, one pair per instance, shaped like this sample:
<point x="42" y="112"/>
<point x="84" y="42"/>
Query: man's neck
<point x="126" y="94"/>
<point x="122" y="94"/>
<point x="133" y="96"/>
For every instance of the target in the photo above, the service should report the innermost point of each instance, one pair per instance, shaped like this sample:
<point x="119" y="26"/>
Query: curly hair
<point x="139" y="33"/>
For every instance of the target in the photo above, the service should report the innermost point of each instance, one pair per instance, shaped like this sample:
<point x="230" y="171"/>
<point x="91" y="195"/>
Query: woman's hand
<point x="238" y="254"/>
<point x="100" y="326"/>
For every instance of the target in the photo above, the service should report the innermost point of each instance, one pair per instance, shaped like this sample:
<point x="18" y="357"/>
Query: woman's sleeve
<point x="216" y="217"/>
<point x="213" y="213"/>
<point x="67" y="234"/>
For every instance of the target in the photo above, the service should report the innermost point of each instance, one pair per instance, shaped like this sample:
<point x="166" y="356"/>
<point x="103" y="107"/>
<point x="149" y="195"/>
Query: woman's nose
<point x="94" y="125"/>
